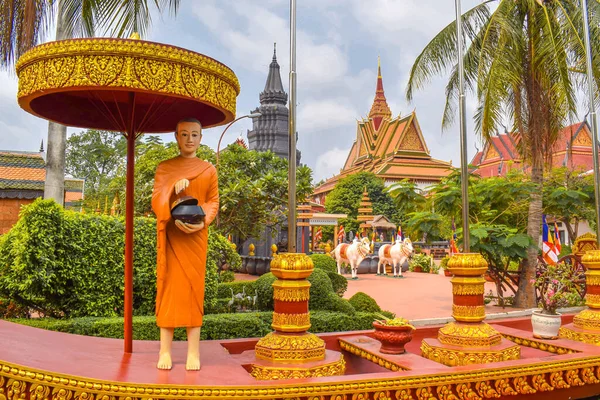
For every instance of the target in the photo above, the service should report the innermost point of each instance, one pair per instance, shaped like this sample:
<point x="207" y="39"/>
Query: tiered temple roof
<point x="573" y="149"/>
<point x="365" y="211"/>
<point x="392" y="148"/>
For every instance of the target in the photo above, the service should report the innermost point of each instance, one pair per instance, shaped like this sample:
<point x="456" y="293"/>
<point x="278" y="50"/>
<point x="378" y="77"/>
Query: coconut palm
<point x="524" y="62"/>
<point x="25" y="23"/>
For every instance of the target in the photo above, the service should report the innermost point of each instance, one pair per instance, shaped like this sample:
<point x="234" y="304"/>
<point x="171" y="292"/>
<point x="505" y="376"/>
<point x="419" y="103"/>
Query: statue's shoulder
<point x="207" y="166"/>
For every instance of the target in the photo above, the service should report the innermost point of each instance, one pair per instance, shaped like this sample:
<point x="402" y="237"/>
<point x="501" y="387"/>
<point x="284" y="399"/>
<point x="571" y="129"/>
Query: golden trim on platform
<point x="540" y="344"/>
<point x="292" y="266"/>
<point x="467" y="356"/>
<point x="334" y="368"/>
<point x="587" y="336"/>
<point x="367" y="355"/>
<point x="124" y="63"/>
<point x="486" y="381"/>
<point x="468" y="313"/>
<point x="291" y="322"/>
<point x="479" y="335"/>
<point x="285" y="290"/>
<point x="278" y="347"/>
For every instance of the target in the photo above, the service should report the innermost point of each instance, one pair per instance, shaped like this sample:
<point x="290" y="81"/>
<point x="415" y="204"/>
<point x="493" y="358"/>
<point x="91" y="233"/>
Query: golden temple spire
<point x="380" y="108"/>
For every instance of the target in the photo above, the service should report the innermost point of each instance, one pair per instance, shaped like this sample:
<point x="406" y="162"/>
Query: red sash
<point x="343" y="250"/>
<point x="387" y="250"/>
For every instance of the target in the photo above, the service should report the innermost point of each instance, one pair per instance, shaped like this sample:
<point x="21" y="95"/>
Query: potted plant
<point x="420" y="263"/>
<point x="554" y="285"/>
<point x="393" y="333"/>
<point x="444" y="265"/>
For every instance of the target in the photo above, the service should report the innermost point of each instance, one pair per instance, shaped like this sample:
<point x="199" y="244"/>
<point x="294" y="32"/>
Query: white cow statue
<point x="395" y="255"/>
<point x="352" y="254"/>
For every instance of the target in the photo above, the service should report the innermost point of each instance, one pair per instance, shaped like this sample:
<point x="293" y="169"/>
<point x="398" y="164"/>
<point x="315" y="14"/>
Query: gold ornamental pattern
<point x="453" y="357"/>
<point x="291" y="322"/>
<point x="591" y="259"/>
<point x="272" y="373"/>
<point x="540" y="344"/>
<point x="457" y="334"/>
<point x="290" y="347"/>
<point x="284" y="290"/>
<point x="130" y="64"/>
<point x="387" y="364"/>
<point x="587" y="319"/>
<point x="292" y="266"/>
<point x="468" y="286"/>
<point x="592" y="278"/>
<point x="18" y="382"/>
<point x="592" y="300"/>
<point x="585" y="337"/>
<point x="467" y="264"/>
<point x="468" y="313"/>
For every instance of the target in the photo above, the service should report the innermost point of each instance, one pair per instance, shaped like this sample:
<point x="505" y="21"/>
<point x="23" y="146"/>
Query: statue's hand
<point x="189" y="228"/>
<point x="180" y="185"/>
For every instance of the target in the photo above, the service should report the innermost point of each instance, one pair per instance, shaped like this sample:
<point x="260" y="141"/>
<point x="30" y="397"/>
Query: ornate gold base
<point x="452" y="356"/>
<point x="469" y="335"/>
<point x="290" y="348"/>
<point x="588" y="319"/>
<point x="573" y="332"/>
<point x="332" y="365"/>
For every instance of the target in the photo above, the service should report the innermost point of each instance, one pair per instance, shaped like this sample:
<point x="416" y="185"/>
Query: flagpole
<point x="464" y="166"/>
<point x="292" y="134"/>
<point x="592" y="112"/>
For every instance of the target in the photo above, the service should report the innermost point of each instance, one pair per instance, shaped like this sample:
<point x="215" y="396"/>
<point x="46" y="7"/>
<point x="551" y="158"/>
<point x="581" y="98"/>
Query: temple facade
<point x="391" y="147"/>
<point x="270" y="130"/>
<point x="573" y="149"/>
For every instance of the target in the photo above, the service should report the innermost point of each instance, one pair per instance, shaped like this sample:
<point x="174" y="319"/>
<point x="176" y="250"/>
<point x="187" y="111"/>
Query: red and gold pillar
<point x="290" y="351"/>
<point x="468" y="340"/>
<point x="586" y="324"/>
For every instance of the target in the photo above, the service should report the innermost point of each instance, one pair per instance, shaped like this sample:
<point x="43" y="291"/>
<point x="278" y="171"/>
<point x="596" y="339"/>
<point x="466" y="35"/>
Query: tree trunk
<point x="54" y="187"/>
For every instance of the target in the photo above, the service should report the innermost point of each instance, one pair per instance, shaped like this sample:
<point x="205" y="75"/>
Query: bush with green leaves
<point x="264" y="290"/>
<point x="228" y="289"/>
<point x="363" y="302"/>
<point x="324" y="262"/>
<point x="338" y="282"/>
<point x="420" y="260"/>
<point x="322" y="296"/>
<point x="226" y="276"/>
<point x="444" y="262"/>
<point x="215" y="326"/>
<point x="66" y="264"/>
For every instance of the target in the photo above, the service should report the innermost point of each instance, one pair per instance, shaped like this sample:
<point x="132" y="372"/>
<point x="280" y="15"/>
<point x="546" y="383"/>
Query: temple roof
<point x="273" y="92"/>
<point x="380" y="109"/>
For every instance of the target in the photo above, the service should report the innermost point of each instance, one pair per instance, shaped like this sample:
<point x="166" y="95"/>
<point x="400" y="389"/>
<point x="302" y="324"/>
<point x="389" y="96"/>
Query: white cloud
<point x="330" y="163"/>
<point x="325" y="114"/>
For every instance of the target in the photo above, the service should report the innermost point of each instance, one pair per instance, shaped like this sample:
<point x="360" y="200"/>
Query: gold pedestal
<point x="469" y="340"/>
<point x="290" y="352"/>
<point x="586" y="325"/>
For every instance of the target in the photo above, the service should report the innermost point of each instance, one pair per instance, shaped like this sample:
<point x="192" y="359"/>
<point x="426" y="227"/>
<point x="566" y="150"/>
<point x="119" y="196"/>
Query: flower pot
<point x="447" y="273"/>
<point x="392" y="338"/>
<point x="418" y="268"/>
<point x="545" y="326"/>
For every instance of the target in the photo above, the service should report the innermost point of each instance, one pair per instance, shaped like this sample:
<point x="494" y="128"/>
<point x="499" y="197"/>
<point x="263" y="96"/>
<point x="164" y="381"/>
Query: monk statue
<point x="182" y="247"/>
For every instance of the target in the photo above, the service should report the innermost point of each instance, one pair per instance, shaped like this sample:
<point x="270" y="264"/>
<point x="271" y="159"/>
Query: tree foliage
<point x="345" y="199"/>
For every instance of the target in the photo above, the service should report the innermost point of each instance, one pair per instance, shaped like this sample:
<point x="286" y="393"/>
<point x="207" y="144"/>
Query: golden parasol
<point x="129" y="86"/>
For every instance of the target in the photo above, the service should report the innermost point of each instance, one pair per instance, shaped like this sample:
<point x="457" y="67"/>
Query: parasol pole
<point x="464" y="166"/>
<point x="592" y="112"/>
<point x="128" y="312"/>
<point x="292" y="134"/>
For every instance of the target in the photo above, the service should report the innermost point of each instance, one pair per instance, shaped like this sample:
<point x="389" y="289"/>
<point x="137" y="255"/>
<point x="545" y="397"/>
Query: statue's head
<point x="188" y="134"/>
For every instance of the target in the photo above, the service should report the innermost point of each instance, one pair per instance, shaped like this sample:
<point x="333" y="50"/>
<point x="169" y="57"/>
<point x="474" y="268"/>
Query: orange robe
<point x="181" y="257"/>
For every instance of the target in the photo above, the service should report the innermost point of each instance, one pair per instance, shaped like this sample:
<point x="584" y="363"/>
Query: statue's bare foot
<point x="193" y="362"/>
<point x="164" y="361"/>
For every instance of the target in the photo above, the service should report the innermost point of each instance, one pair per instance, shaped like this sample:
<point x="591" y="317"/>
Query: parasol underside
<point x="93" y="83"/>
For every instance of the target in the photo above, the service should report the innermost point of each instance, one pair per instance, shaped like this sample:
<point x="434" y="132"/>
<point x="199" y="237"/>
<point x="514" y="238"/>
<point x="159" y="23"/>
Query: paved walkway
<point x="416" y="296"/>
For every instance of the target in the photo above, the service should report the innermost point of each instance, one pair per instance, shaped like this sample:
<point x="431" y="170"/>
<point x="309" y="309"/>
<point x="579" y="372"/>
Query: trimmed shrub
<point x="363" y="302"/>
<point x="264" y="289"/>
<point x="338" y="282"/>
<point x="215" y="326"/>
<point x="322" y="296"/>
<point x="67" y="264"/>
<point x="226" y="276"/>
<point x="324" y="262"/>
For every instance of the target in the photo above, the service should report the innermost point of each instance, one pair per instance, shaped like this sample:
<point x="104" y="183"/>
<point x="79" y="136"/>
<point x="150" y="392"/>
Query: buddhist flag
<point x="399" y="233"/>
<point x="341" y="234"/>
<point x="453" y="247"/>
<point x="557" y="244"/>
<point x="318" y="235"/>
<point x="548" y="249"/>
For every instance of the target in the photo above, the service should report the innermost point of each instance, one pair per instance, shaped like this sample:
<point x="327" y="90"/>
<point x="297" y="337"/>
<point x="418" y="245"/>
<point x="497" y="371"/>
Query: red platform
<point x="35" y="361"/>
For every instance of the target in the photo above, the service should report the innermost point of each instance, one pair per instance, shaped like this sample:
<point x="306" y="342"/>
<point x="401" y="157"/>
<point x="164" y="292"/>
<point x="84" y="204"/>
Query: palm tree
<point x="524" y="61"/>
<point x="25" y="23"/>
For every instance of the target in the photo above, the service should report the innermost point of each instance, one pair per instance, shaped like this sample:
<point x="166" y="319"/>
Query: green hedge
<point x="363" y="302"/>
<point x="67" y="264"/>
<point x="338" y="282"/>
<point x="215" y="326"/>
<point x="224" y="289"/>
<point x="324" y="262"/>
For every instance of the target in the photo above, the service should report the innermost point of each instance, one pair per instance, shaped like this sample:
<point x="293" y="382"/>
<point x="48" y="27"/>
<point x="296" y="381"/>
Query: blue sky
<point x="338" y="45"/>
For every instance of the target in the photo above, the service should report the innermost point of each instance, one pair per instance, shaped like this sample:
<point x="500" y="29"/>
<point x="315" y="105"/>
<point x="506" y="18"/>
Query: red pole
<point x="128" y="312"/>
